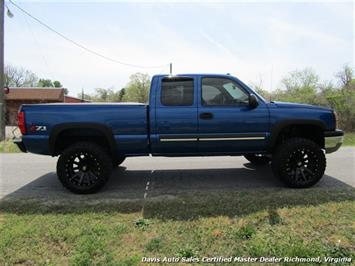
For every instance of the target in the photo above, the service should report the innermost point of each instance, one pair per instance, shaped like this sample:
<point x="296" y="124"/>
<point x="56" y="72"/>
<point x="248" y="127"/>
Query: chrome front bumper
<point x="333" y="140"/>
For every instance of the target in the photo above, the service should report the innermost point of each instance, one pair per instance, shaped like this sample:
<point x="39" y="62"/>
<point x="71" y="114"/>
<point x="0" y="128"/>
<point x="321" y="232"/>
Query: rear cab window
<point x="177" y="91"/>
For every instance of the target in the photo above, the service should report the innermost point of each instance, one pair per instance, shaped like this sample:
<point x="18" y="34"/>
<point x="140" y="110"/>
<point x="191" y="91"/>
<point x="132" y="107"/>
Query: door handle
<point x="206" y="115"/>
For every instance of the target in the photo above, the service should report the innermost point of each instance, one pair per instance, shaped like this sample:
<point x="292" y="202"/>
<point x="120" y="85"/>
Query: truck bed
<point x="127" y="121"/>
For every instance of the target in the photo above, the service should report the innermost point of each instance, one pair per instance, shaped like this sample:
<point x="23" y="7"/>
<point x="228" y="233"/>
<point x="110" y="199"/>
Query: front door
<point x="227" y="124"/>
<point x="176" y="116"/>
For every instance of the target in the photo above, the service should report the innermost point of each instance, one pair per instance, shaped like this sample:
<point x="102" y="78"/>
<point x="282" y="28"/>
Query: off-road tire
<point x="258" y="159"/>
<point x="84" y="167"/>
<point x="299" y="163"/>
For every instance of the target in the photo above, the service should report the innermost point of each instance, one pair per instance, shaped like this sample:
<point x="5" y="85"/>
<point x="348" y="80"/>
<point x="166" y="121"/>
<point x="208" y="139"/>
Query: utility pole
<point x="171" y="69"/>
<point x="2" y="95"/>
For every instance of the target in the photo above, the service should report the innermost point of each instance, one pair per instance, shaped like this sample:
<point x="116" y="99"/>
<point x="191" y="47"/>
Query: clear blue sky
<point x="254" y="41"/>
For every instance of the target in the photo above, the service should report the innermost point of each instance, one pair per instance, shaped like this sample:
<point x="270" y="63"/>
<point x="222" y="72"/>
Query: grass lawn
<point x="8" y="147"/>
<point x="349" y="139"/>
<point x="281" y="222"/>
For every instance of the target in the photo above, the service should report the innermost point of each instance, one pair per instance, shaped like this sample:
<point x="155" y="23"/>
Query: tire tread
<point x="99" y="152"/>
<point x="279" y="156"/>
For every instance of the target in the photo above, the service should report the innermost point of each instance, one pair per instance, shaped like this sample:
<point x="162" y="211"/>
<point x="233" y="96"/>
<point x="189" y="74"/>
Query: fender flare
<point x="279" y="126"/>
<point x="105" y="130"/>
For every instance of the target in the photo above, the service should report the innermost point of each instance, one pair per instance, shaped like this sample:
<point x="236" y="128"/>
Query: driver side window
<point x="222" y="92"/>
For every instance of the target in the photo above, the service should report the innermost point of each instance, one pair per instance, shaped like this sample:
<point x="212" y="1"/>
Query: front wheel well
<point x="311" y="132"/>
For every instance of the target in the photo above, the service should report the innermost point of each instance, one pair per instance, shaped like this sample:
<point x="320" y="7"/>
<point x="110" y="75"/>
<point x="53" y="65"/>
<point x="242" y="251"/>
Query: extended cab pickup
<point x="187" y="115"/>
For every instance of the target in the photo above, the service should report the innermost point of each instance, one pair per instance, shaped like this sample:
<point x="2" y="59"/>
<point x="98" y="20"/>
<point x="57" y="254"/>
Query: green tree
<point x="299" y="86"/>
<point x="345" y="76"/>
<point x="84" y="96"/>
<point x="122" y="94"/>
<point x="103" y="95"/>
<point x="305" y="87"/>
<point x="343" y="99"/>
<point x="45" y="83"/>
<point x="57" y="84"/>
<point x="258" y="87"/>
<point x="137" y="90"/>
<point x="49" y="83"/>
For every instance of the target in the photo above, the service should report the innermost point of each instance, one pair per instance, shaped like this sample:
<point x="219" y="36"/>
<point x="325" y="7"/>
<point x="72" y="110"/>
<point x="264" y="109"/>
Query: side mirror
<point x="253" y="101"/>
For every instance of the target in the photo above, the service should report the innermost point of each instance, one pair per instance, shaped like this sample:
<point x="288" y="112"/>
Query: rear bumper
<point x="20" y="145"/>
<point x="333" y="140"/>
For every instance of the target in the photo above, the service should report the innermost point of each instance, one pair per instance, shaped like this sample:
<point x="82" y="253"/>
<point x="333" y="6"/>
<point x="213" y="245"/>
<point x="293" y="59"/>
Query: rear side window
<point x="177" y="92"/>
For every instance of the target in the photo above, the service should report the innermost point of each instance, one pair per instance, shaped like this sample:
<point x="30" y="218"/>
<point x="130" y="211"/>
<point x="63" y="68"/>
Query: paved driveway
<point x="32" y="176"/>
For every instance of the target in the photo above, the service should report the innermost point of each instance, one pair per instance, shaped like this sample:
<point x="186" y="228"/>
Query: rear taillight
<point x="22" y="122"/>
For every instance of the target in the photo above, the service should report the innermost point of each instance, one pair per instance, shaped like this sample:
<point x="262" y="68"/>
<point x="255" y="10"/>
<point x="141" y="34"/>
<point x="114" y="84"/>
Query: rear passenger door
<point x="176" y="116"/>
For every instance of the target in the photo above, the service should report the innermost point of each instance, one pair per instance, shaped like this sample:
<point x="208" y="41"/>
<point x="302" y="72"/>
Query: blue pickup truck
<point x="187" y="115"/>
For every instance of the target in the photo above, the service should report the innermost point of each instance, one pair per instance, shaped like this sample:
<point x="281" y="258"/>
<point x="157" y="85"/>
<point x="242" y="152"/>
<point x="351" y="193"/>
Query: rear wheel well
<point x="311" y="132"/>
<point x="68" y="137"/>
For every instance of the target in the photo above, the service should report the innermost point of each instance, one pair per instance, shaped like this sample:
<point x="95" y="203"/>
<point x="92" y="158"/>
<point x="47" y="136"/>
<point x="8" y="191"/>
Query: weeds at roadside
<point x="155" y="244"/>
<point x="142" y="223"/>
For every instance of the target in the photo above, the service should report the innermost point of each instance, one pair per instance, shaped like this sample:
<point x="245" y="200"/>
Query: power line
<point x="80" y="45"/>
<point x="39" y="47"/>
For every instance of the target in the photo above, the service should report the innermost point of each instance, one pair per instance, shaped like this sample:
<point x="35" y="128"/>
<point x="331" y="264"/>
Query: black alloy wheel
<point x="84" y="167"/>
<point x="299" y="163"/>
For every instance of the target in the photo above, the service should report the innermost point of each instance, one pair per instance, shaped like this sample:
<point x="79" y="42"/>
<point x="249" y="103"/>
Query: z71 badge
<point x="35" y="128"/>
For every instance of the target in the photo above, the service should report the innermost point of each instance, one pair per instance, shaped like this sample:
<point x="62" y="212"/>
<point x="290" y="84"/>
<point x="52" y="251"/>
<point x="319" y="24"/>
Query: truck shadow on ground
<point x="177" y="194"/>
